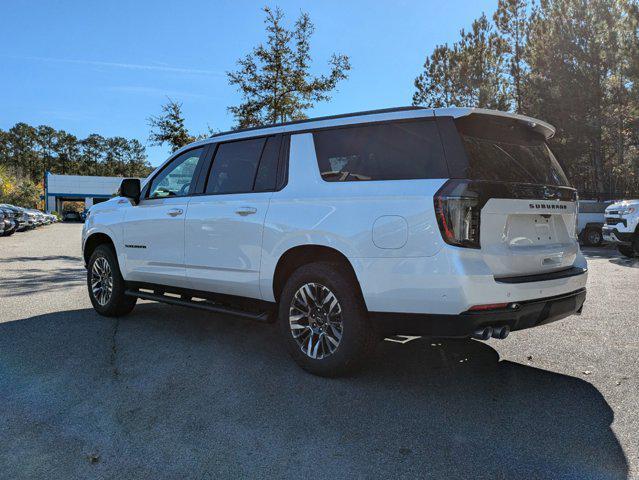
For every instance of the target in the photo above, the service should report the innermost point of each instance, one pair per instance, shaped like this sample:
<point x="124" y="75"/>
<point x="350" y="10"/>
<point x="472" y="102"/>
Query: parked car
<point x="10" y="219"/>
<point x="71" y="216"/>
<point x="4" y="221"/>
<point x="31" y="219"/>
<point x="451" y="222"/>
<point x="622" y="226"/>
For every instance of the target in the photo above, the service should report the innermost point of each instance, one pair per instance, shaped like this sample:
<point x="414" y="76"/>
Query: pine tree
<point x="274" y="80"/>
<point x="470" y="73"/>
<point x="573" y="52"/>
<point x="438" y="85"/>
<point x="168" y="127"/>
<point x="482" y="65"/>
<point x="511" y="20"/>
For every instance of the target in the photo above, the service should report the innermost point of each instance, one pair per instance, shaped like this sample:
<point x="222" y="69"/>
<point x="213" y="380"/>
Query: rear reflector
<point x="488" y="306"/>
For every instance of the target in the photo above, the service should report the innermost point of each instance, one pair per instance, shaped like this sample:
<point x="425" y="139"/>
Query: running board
<point x="201" y="304"/>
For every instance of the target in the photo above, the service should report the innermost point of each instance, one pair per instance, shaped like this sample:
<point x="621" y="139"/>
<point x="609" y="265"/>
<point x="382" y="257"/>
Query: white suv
<point x="622" y="226"/>
<point x="347" y="229"/>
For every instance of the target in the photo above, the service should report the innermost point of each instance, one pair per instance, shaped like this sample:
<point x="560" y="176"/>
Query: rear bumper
<point x="525" y="314"/>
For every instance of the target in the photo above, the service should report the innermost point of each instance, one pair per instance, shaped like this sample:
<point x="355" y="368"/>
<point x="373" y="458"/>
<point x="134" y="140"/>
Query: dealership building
<point x="77" y="188"/>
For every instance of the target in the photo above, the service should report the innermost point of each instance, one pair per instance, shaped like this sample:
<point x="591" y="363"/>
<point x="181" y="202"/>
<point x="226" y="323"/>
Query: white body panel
<point x="387" y="230"/>
<point x="519" y="240"/>
<point x="224" y="238"/>
<point x="153" y="241"/>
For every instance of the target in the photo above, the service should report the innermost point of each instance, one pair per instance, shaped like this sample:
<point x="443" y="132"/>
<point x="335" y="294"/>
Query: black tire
<point x="358" y="338"/>
<point x="118" y="304"/>
<point x="626" y="251"/>
<point x="593" y="237"/>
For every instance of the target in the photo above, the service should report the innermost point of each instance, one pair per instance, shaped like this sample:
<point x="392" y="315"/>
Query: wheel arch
<point x="295" y="257"/>
<point x="593" y="225"/>
<point x="93" y="241"/>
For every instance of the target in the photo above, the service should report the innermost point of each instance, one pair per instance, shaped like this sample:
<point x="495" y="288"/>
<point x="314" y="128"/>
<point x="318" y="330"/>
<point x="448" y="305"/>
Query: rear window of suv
<point x="507" y="151"/>
<point x="385" y="151"/>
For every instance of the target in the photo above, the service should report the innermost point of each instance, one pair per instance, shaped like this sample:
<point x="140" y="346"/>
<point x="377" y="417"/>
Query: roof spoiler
<point x="539" y="126"/>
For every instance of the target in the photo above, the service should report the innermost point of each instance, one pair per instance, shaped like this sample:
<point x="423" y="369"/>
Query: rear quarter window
<point x="389" y="151"/>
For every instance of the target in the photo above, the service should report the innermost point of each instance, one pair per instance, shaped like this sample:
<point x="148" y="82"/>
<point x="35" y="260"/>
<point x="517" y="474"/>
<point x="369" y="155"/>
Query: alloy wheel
<point x="315" y="320"/>
<point x="101" y="281"/>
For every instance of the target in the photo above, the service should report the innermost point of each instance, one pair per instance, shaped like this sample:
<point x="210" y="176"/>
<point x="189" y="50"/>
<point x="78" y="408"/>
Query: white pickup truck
<point x="590" y="221"/>
<point x="622" y="226"/>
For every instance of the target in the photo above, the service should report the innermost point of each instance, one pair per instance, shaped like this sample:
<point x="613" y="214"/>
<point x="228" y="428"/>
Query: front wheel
<point x="106" y="285"/>
<point x="323" y="320"/>
<point x="626" y="251"/>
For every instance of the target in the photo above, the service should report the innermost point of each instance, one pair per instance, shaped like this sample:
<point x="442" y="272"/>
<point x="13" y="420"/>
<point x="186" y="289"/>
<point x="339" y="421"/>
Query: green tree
<point x="91" y="153"/>
<point x="24" y="193"/>
<point x="26" y="153"/>
<point x="45" y="140"/>
<point x="67" y="149"/>
<point x="275" y="81"/>
<point x="470" y="73"/>
<point x="511" y="20"/>
<point x="438" y="86"/>
<point x="168" y="127"/>
<point x="135" y="161"/>
<point x="22" y="155"/>
<point x="573" y="53"/>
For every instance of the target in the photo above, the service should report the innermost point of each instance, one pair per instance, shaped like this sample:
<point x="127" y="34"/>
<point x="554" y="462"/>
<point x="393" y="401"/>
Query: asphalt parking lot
<point x="169" y="392"/>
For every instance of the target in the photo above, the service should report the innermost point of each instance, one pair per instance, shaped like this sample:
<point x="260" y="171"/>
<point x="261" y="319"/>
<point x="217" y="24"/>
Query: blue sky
<point x="105" y="67"/>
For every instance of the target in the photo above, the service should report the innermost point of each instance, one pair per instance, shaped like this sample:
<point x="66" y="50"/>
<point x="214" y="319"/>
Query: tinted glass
<point x="177" y="178"/>
<point x="392" y="151"/>
<point x="507" y="151"/>
<point x="234" y="166"/>
<point x="267" y="171"/>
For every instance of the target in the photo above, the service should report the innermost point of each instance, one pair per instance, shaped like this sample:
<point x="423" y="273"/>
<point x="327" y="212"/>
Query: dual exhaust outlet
<point x="484" y="333"/>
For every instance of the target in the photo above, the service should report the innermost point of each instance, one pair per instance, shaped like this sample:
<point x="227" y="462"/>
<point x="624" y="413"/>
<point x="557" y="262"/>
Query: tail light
<point x="458" y="208"/>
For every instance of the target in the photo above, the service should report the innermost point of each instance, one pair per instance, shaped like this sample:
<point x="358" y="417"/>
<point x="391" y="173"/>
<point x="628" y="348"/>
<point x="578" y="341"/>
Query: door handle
<point x="175" y="212"/>
<point x="244" y="211"/>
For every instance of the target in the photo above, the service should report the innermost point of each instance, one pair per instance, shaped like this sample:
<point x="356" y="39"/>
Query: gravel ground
<point x="169" y="392"/>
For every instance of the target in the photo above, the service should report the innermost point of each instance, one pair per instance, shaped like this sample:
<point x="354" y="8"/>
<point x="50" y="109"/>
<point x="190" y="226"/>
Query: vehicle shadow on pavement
<point x="28" y="275"/>
<point x="613" y="255"/>
<point x="33" y="280"/>
<point x="168" y="392"/>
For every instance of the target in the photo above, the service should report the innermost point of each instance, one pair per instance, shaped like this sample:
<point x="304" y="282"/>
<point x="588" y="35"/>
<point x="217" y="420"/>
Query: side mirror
<point x="130" y="188"/>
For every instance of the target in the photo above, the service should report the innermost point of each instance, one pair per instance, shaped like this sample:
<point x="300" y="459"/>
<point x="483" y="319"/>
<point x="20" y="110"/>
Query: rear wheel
<point x="323" y="320"/>
<point x="106" y="285"/>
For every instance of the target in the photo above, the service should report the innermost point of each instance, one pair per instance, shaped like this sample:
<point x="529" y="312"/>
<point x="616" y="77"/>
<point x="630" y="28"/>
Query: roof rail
<point x="316" y="119"/>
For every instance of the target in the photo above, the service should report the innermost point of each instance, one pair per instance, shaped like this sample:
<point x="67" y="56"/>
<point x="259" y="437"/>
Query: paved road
<point x="169" y="392"/>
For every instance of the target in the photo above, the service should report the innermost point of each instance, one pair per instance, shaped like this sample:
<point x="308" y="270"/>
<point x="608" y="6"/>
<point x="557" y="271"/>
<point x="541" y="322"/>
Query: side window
<point x="176" y="180"/>
<point x="266" y="178"/>
<point x="234" y="166"/>
<point x="391" y="151"/>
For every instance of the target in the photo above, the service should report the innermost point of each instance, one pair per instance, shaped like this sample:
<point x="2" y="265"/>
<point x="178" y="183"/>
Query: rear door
<point x="224" y="224"/>
<point x="528" y="210"/>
